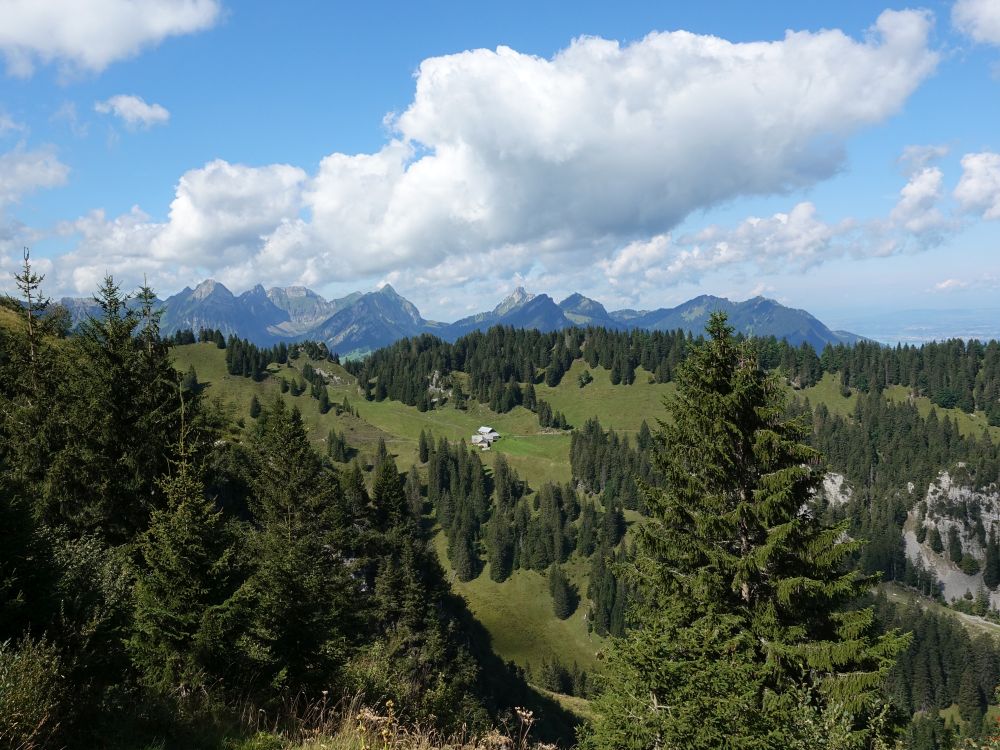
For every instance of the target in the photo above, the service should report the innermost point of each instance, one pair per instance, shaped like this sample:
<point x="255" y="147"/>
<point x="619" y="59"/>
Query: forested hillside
<point x="198" y="525"/>
<point x="170" y="576"/>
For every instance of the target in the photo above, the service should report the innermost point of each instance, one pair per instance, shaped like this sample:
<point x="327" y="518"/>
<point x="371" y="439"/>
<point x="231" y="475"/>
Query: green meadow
<point x="518" y="612"/>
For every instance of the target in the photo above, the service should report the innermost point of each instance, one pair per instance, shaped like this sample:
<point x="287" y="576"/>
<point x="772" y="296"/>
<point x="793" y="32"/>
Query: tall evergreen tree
<point x="741" y="609"/>
<point x="563" y="600"/>
<point x="118" y="425"/>
<point x="414" y="493"/>
<point x="187" y="563"/>
<point x="34" y="305"/>
<point x="423" y="447"/>
<point x="991" y="567"/>
<point x="302" y="596"/>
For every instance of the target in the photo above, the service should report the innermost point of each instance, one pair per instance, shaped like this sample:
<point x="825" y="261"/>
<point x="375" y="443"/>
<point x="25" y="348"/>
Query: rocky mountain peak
<point x="514" y="300"/>
<point x="207" y="288"/>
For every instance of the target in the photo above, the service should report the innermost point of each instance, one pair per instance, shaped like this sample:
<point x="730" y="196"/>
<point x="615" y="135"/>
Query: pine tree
<point x="189" y="384"/>
<point x="991" y="567"/>
<point x="423" y="447"/>
<point x="563" y="600"/>
<point x="741" y="598"/>
<point x="29" y="284"/>
<point x="414" y="493"/>
<point x="935" y="540"/>
<point x="187" y="561"/>
<point x="302" y="596"/>
<point x="971" y="703"/>
<point x="254" y="407"/>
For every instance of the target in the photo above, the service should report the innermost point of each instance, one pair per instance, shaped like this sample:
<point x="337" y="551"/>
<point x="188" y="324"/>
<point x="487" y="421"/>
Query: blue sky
<point x="842" y="157"/>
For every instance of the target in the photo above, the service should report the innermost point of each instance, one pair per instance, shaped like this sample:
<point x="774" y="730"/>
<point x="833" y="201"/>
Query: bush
<point x="969" y="565"/>
<point x="30" y="693"/>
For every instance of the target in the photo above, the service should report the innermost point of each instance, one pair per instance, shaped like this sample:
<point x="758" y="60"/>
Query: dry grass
<point x="351" y="725"/>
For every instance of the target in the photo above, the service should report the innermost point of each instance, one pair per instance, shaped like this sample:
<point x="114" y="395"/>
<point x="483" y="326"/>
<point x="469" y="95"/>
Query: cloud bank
<point x="519" y="160"/>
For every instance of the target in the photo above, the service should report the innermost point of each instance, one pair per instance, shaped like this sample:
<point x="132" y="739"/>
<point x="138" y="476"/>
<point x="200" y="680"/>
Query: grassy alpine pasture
<point x="517" y="613"/>
<point x="968" y="424"/>
<point x="827" y="392"/>
<point x="619" y="407"/>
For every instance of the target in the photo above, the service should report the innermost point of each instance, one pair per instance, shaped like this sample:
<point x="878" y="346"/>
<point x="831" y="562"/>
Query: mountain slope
<point x="212" y="305"/>
<point x="373" y="320"/>
<point x="754" y="317"/>
<point x="520" y="310"/>
<point x="360" y="322"/>
<point x="583" y="311"/>
<point x="305" y="308"/>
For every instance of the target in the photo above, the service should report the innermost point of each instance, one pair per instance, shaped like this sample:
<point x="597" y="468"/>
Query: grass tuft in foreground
<point x="355" y="726"/>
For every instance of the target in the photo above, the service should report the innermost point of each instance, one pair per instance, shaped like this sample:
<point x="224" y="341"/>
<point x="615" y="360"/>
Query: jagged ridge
<point x="361" y="322"/>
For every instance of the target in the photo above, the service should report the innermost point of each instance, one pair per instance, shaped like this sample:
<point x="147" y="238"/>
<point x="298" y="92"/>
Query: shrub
<point x="30" y="693"/>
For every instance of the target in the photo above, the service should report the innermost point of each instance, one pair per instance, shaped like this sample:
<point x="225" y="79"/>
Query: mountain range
<point x="362" y="322"/>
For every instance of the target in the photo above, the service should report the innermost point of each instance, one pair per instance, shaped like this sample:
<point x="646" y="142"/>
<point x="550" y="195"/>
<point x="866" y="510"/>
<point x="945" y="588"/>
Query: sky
<point x="839" y="157"/>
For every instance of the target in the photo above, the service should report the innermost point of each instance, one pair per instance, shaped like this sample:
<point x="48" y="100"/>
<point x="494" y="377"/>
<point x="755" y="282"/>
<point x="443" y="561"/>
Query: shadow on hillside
<point x="504" y="687"/>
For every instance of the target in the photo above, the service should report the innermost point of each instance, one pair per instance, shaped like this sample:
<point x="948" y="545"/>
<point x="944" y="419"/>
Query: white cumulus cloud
<point x="978" y="190"/>
<point x="797" y="239"/>
<point x="23" y="171"/>
<point x="917" y="157"/>
<point x="979" y="19"/>
<point x="134" y="111"/>
<point x="222" y="213"/>
<point x="563" y="160"/>
<point x="91" y="34"/>
<point x="917" y="211"/>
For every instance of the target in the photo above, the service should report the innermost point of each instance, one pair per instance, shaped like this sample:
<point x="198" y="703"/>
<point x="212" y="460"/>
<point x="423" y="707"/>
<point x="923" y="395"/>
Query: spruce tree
<point x="187" y="561"/>
<point x="34" y="305"/>
<point x="971" y="703"/>
<point x="500" y="546"/>
<point x="423" y="447"/>
<point x="26" y="570"/>
<point x="563" y="601"/>
<point x="741" y="616"/>
<point x="254" y="407"/>
<point x="935" y="540"/>
<point x="414" y="493"/>
<point x="991" y="567"/>
<point x="117" y="425"/>
<point x="302" y="595"/>
<point x="189" y="384"/>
